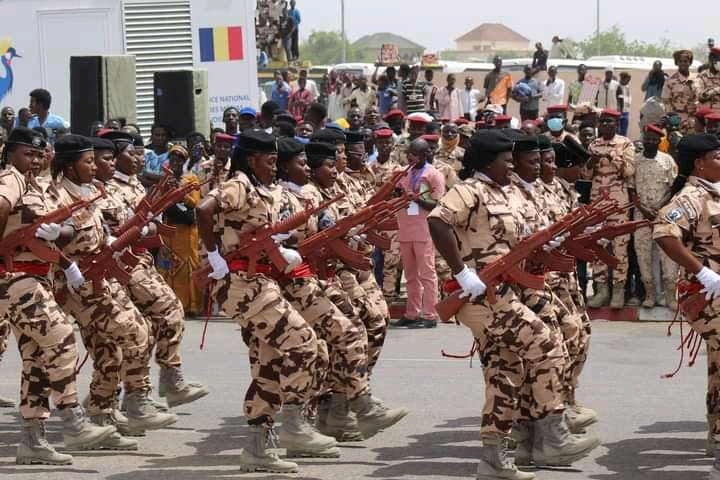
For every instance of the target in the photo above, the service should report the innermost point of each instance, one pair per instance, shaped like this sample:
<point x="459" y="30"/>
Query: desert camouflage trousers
<point x="346" y="339"/>
<point x="372" y="308"/>
<point x="517" y="348"/>
<point x="287" y="361"/>
<point x="46" y="342"/>
<point x="391" y="265"/>
<point x="619" y="247"/>
<point x="644" y="246"/>
<point x="162" y="309"/>
<point x="116" y="337"/>
<point x="4" y="334"/>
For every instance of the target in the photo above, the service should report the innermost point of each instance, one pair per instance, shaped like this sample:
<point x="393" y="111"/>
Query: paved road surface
<point x="652" y="429"/>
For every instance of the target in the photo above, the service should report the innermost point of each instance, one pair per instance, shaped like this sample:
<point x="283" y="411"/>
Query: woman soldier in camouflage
<point x="286" y="357"/>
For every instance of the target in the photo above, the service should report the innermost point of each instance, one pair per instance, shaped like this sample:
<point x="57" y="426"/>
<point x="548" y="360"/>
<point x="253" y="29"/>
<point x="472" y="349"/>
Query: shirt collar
<point x="121" y="176"/>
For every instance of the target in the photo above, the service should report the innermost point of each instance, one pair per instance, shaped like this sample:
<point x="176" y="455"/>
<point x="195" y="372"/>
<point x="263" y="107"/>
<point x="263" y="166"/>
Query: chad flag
<point x="221" y="44"/>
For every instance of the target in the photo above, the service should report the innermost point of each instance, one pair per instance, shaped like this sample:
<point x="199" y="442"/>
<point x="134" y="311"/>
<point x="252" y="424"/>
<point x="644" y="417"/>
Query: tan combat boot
<point x="373" y="416"/>
<point x="578" y="418"/>
<point x="649" y="301"/>
<point x="34" y="447"/>
<point x="79" y="433"/>
<point x="618" y="295"/>
<point x="670" y="288"/>
<point x="554" y="444"/>
<point x="256" y="457"/>
<point x="300" y="438"/>
<point x="710" y="443"/>
<point x="601" y="297"/>
<point x="175" y="390"/>
<point x="523" y="433"/>
<point x="115" y="441"/>
<point x="7" y="402"/>
<point x="142" y="414"/>
<point x="339" y="422"/>
<point x="495" y="463"/>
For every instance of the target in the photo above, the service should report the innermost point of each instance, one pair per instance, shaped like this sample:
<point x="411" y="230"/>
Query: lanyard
<point x="415" y="177"/>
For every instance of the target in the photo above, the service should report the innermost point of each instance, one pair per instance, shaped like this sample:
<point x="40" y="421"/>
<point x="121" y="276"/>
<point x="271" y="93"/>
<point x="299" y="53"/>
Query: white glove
<point x="710" y="281"/>
<point x="110" y="240"/>
<point x="218" y="264"/>
<point x="356" y="240"/>
<point x="74" y="276"/>
<point x="279" y="238"/>
<point x="355" y="230"/>
<point x="48" y="231"/>
<point x="145" y="231"/>
<point x="592" y="229"/>
<point x="555" y="242"/>
<point x="470" y="283"/>
<point x="291" y="256"/>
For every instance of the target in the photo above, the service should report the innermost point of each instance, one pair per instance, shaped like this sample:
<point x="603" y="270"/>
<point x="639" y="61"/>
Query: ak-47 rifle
<point x="103" y="264"/>
<point x="24" y="238"/>
<point x="586" y="247"/>
<point x="386" y="215"/>
<point x="508" y="267"/>
<point x="386" y="189"/>
<point x="253" y="244"/>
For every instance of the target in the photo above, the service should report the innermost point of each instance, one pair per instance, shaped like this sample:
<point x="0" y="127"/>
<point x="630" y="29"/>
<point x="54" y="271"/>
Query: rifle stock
<point x="388" y="186"/>
<point x="693" y="305"/>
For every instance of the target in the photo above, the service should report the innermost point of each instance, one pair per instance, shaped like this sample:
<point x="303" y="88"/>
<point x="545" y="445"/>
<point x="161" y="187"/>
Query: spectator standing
<point x="554" y="91"/>
<point x="310" y="84"/>
<point x="301" y="100"/>
<point x="498" y="85"/>
<point x="413" y="93"/>
<point x="708" y="83"/>
<point x="363" y="96"/>
<point x="156" y="155"/>
<point x="576" y="86"/>
<point x="624" y="103"/>
<point x="23" y="117"/>
<point x="386" y="96"/>
<point x="540" y="58"/>
<point x="294" y="13"/>
<point x="608" y="96"/>
<point x="449" y="100"/>
<point x="280" y="92"/>
<point x="416" y="247"/>
<point x="430" y="91"/>
<point x="470" y="99"/>
<point x="528" y="92"/>
<point x="287" y="27"/>
<point x="655" y="81"/>
<point x="7" y="119"/>
<point x="40" y="100"/>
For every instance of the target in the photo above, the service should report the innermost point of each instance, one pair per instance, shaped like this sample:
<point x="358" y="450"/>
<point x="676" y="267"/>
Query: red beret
<point x="103" y="131"/>
<point x="444" y="120"/>
<point x="393" y="113"/>
<point x="703" y="111"/>
<point x="224" y="137"/>
<point x="480" y="123"/>
<point x="715" y="50"/>
<point x="609" y="112"/>
<point x="503" y="119"/>
<point x="654" y="129"/>
<point x="383" y="133"/>
<point x="712" y="117"/>
<point x="557" y="108"/>
<point x="431" y="137"/>
<point x="461" y="121"/>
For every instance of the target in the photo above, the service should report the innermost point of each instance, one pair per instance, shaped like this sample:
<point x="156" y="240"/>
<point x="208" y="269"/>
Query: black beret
<point x="698" y="144"/>
<point x="318" y="152"/>
<point x="72" y="144"/>
<point x="102" y="143"/>
<point x="137" y="140"/>
<point x="257" y="141"/>
<point x="117" y="136"/>
<point x="329" y="135"/>
<point x="544" y="143"/>
<point x="289" y="148"/>
<point x="286" y="117"/>
<point x="26" y="136"/>
<point x="490" y="141"/>
<point x="522" y="142"/>
<point x="354" y="137"/>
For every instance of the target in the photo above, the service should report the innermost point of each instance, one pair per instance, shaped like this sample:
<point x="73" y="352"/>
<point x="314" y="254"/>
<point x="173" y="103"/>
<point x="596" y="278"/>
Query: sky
<point x="439" y="23"/>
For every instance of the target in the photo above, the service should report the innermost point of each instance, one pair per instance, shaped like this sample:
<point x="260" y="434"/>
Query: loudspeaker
<point x="181" y="101"/>
<point x="101" y="88"/>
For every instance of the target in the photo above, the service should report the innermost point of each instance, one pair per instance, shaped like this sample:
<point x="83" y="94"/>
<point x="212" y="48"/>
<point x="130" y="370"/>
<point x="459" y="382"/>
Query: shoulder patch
<point x="688" y="207"/>
<point x="674" y="215"/>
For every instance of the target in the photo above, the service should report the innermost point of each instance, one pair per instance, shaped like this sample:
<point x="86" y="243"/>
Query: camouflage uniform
<point x="399" y="153"/>
<point x="391" y="264"/>
<point x="679" y="95"/>
<point x="691" y="217"/>
<point x="707" y="86"/>
<point x="284" y="350"/>
<point x="515" y="344"/>
<point x="651" y="181"/>
<point x="4" y="334"/>
<point x="611" y="175"/>
<point x="114" y="332"/>
<point x="346" y="339"/>
<point x="449" y="164"/>
<point x="44" y="334"/>
<point x="147" y="289"/>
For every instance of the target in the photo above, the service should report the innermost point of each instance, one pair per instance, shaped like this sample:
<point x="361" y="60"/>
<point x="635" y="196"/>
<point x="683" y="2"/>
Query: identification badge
<point x="413" y="209"/>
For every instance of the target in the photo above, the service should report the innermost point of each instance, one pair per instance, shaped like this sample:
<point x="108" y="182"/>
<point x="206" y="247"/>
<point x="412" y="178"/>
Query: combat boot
<point x="79" y="433"/>
<point x="601" y="297"/>
<point x="715" y="470"/>
<point x="323" y="409"/>
<point x="578" y="418"/>
<point x="256" y="457"/>
<point x="115" y="441"/>
<point x="175" y="390"/>
<point x="618" y="295"/>
<point x="649" y="301"/>
<point x="300" y="438"/>
<point x="7" y="402"/>
<point x="710" y="443"/>
<point x="554" y="445"/>
<point x="142" y="415"/>
<point x="523" y="433"/>
<point x="339" y="422"/>
<point x="670" y="298"/>
<point x="496" y="464"/>
<point x="34" y="447"/>
<point x="373" y="416"/>
<point x="158" y="405"/>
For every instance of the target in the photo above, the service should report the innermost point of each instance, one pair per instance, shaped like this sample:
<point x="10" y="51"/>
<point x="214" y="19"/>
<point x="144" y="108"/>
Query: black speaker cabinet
<point x="181" y="101"/>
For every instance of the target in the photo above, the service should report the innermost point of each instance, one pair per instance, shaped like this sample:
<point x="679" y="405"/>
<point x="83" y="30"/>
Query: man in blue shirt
<point x="528" y="92"/>
<point x="294" y="13"/>
<point x="40" y="100"/>
<point x="280" y="92"/>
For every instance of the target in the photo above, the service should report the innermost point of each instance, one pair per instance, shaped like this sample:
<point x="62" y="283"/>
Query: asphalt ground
<point x="651" y="428"/>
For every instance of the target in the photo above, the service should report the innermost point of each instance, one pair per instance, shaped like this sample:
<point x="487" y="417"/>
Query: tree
<point x="325" y="48"/>
<point x="614" y="42"/>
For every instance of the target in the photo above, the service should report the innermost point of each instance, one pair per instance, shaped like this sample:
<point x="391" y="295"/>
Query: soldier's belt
<point x="31" y="268"/>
